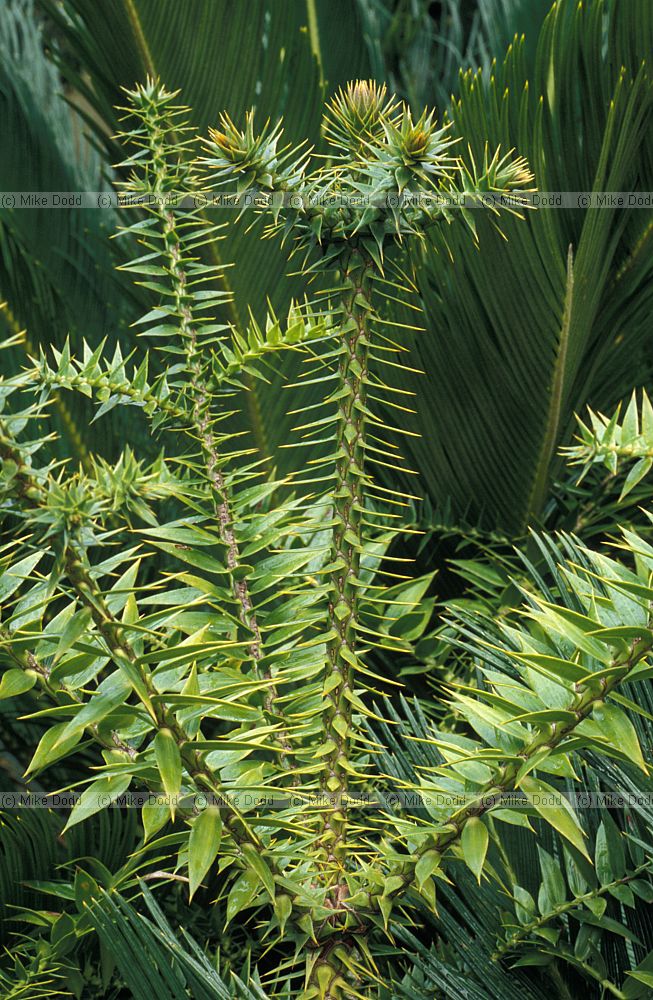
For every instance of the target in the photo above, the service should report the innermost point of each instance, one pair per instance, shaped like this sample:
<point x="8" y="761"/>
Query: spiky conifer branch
<point x="347" y="542"/>
<point x="511" y="943"/>
<point x="37" y="672"/>
<point x="33" y="493"/>
<point x="382" y="154"/>
<point x="334" y="880"/>
<point x="614" y="442"/>
<point x="588" y="696"/>
<point x="110" y="382"/>
<point x="168" y="171"/>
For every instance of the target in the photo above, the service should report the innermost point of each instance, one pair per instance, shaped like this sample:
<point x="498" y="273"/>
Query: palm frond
<point x="526" y="331"/>
<point x="177" y="968"/>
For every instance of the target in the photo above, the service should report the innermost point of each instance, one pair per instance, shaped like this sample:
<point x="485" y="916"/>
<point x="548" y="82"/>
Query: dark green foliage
<point x="221" y="628"/>
<point x="499" y="312"/>
<point x="558" y="312"/>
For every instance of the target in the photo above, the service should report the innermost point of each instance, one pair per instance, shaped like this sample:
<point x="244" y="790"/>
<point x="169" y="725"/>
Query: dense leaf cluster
<point x="219" y="630"/>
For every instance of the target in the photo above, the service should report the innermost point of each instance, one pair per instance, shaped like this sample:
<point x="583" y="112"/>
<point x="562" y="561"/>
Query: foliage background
<point x="501" y="311"/>
<point x="518" y="336"/>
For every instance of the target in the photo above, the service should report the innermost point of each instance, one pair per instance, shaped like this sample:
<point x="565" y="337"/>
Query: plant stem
<point x="123" y="653"/>
<point x="113" y="632"/>
<point x="346" y="547"/>
<point x="561" y="986"/>
<point x="27" y="662"/>
<point x="202" y="424"/>
<point x="510" y="943"/>
<point x="164" y="176"/>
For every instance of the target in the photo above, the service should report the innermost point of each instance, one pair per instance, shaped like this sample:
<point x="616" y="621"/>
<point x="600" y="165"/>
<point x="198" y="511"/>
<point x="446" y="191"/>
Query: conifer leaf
<point x="242" y="893"/>
<point x="553" y="807"/>
<point x="203" y="845"/>
<point x="15" y="682"/>
<point x="168" y="761"/>
<point x="99" y="795"/>
<point x="474" y="842"/>
<point x="620" y="732"/>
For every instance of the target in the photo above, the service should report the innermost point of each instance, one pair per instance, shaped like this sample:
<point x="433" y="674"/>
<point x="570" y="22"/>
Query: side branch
<point x="113" y="633"/>
<point x="169" y="172"/>
<point x="589" y="696"/>
<point x="202" y="425"/>
<point x="33" y="493"/>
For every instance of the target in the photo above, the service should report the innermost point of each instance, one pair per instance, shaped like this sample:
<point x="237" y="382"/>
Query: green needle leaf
<point x="203" y="845"/>
<point x="554" y="808"/>
<point x="168" y="761"/>
<point x="474" y="842"/>
<point x="619" y="730"/>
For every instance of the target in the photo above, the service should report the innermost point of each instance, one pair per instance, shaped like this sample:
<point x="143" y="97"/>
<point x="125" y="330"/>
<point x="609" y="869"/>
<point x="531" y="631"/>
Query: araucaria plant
<point x="215" y="637"/>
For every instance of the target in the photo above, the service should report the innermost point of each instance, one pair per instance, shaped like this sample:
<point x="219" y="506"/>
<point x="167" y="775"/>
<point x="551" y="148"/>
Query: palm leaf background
<point x="519" y="335"/>
<point x="420" y="51"/>
<point x="276" y="57"/>
<point x="524" y="332"/>
<point x="515" y="341"/>
<point x="57" y="266"/>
